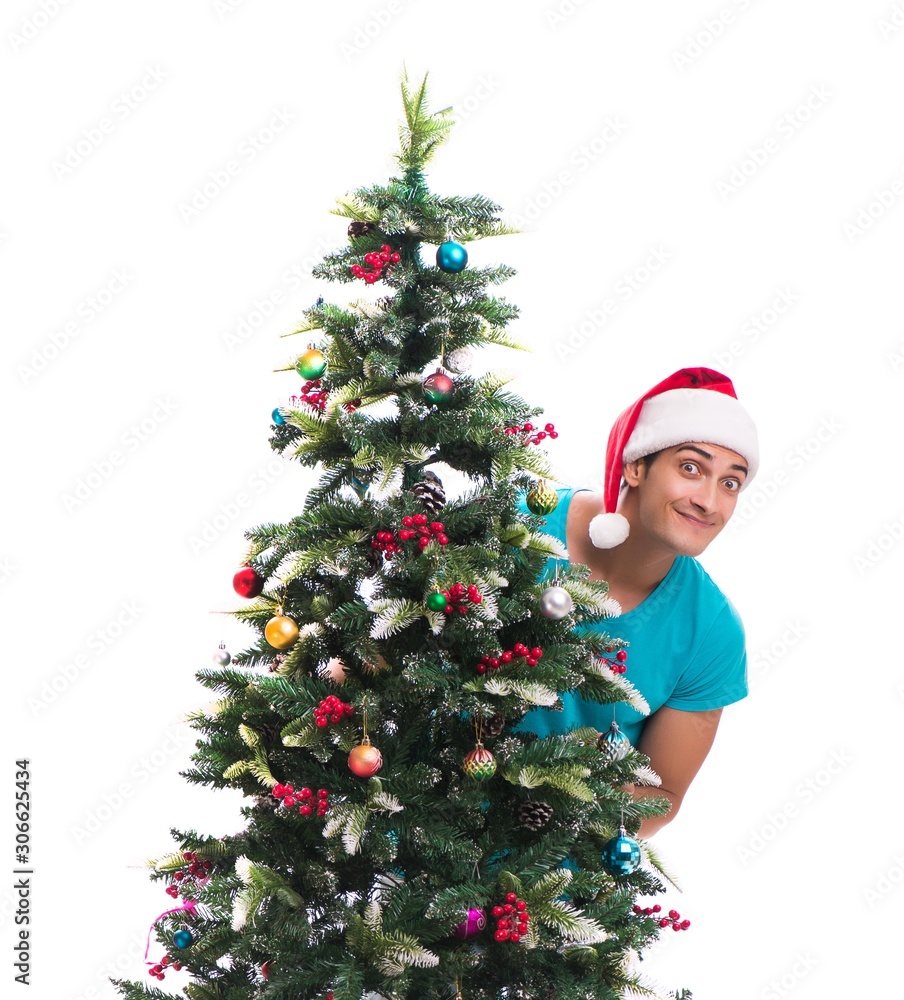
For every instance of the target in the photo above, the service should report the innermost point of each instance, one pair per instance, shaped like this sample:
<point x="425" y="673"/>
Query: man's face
<point x="688" y="494"/>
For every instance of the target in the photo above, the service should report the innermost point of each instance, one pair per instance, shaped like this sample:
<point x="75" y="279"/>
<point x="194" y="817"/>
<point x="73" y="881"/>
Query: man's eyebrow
<point x="706" y="454"/>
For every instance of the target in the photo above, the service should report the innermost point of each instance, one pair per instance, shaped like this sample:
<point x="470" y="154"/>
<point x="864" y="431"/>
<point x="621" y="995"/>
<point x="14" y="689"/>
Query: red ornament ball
<point x="247" y="583"/>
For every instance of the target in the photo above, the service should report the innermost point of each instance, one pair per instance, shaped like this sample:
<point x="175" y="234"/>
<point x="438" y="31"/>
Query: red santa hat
<point x="671" y="413"/>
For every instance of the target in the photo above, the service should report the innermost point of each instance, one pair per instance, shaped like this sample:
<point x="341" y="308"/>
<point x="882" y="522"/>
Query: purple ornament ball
<point x="476" y="922"/>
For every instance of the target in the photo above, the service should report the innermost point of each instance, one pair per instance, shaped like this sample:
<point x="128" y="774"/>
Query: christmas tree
<point x="404" y="838"/>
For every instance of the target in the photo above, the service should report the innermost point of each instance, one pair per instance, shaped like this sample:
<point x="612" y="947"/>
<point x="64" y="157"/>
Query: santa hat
<point x="694" y="404"/>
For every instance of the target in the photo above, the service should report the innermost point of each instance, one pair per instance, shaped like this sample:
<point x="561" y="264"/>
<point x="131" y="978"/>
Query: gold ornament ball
<point x="542" y="499"/>
<point x="365" y="760"/>
<point x="281" y="631"/>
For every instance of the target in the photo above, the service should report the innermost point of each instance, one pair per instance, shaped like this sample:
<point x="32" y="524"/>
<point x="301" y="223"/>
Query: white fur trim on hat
<point x="680" y="415"/>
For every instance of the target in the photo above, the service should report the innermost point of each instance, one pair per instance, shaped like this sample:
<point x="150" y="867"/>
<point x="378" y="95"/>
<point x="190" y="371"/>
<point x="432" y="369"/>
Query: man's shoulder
<point x="696" y="580"/>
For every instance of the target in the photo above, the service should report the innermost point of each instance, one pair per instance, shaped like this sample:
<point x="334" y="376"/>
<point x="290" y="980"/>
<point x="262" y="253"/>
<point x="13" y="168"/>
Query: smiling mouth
<point x="694" y="520"/>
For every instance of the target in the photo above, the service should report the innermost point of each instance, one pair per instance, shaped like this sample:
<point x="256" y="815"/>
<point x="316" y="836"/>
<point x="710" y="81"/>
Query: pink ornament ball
<point x="476" y="922"/>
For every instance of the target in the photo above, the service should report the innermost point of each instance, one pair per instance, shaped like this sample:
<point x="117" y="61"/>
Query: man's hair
<point x="647" y="462"/>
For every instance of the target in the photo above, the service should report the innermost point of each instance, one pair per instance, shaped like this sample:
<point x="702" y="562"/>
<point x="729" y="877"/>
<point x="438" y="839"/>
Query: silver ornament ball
<point x="459" y="360"/>
<point x="221" y="658"/>
<point x="556" y="602"/>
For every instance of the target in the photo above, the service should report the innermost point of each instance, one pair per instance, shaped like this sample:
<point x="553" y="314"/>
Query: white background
<point x="712" y="159"/>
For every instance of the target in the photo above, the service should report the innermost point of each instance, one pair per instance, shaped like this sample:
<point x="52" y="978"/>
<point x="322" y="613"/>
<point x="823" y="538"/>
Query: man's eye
<point x="733" y="485"/>
<point x="689" y="466"/>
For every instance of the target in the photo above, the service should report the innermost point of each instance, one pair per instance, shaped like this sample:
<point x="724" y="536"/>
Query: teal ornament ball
<point x="621" y="855"/>
<point x="277" y="417"/>
<point x="182" y="939"/>
<point x="614" y="743"/>
<point x="451" y="257"/>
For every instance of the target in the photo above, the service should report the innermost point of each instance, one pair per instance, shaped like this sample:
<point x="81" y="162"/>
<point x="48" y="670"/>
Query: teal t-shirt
<point x="687" y="648"/>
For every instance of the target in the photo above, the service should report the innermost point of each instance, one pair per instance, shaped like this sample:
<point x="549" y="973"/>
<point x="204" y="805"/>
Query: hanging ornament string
<point x="189" y="907"/>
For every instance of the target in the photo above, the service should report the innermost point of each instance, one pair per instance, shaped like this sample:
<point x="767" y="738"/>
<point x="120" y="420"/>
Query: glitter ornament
<point x="621" y="854"/>
<point x="281" y="631"/>
<point x="556" y="603"/>
<point x="459" y="360"/>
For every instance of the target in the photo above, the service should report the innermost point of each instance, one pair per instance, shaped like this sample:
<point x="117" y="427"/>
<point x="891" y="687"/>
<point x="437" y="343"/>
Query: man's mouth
<point x="695" y="520"/>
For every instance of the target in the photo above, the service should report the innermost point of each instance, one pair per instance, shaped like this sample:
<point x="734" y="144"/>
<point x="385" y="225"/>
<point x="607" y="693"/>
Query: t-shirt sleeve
<point x="718" y="674"/>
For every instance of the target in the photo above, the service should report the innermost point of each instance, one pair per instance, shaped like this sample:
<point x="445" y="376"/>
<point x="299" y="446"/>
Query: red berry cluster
<point x="332" y="710"/>
<point x="309" y="802"/>
<point x="457" y="594"/>
<point x="164" y="963"/>
<point x="415" y="526"/>
<point x="519" y="649"/>
<point x="314" y="395"/>
<point x="530" y="437"/>
<point x="377" y="260"/>
<point x="186" y="876"/>
<point x="673" y="919"/>
<point x="511" y="919"/>
<point x="619" y="664"/>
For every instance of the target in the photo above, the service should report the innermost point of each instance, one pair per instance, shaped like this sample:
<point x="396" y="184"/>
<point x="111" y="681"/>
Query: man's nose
<point x="703" y="495"/>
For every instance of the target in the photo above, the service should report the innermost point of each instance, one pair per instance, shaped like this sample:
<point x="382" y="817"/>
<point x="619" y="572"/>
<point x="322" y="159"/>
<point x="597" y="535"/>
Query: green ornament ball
<point x="311" y="364"/>
<point x="436" y="602"/>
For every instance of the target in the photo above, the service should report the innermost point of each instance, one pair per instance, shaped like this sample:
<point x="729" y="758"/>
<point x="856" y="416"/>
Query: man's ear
<point x="633" y="471"/>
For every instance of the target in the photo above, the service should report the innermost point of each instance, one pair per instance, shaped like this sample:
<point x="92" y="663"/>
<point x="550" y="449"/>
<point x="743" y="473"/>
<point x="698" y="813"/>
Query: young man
<point x="675" y="463"/>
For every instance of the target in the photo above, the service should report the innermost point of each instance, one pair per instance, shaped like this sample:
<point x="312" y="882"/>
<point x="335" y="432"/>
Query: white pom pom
<point x="608" y="530"/>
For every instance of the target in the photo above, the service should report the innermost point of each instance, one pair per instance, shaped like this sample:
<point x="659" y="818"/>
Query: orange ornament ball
<point x="365" y="760"/>
<point x="281" y="631"/>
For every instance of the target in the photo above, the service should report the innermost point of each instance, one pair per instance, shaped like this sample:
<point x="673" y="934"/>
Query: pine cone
<point x="430" y="492"/>
<point x="374" y="558"/>
<point x="358" y="228"/>
<point x="277" y="660"/>
<point x="533" y="815"/>
<point x="492" y="726"/>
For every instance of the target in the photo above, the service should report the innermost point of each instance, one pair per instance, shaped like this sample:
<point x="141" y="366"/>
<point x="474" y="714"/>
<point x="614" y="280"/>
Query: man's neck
<point x="633" y="569"/>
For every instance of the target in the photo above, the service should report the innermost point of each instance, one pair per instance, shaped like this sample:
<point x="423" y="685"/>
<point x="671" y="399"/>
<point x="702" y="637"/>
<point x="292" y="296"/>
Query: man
<point x="675" y="463"/>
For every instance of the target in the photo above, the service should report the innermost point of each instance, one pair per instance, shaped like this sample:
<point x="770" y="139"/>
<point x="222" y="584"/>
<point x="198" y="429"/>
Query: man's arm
<point x="677" y="744"/>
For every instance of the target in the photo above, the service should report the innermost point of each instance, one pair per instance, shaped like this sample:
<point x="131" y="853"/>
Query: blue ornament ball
<point x="614" y="743"/>
<point x="277" y="416"/>
<point x="451" y="256"/>
<point x="182" y="939"/>
<point x="621" y="855"/>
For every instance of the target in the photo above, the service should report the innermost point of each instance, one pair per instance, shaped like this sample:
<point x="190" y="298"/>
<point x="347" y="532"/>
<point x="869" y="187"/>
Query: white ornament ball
<point x="335" y="671"/>
<point x="459" y="360"/>
<point x="556" y="602"/>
